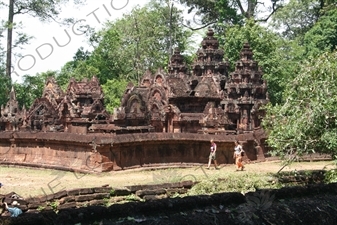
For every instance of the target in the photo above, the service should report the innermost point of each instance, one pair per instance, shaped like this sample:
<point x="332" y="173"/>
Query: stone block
<point x="173" y="191"/>
<point x="60" y="194"/>
<point x="85" y="191"/>
<point x="117" y="199"/>
<point x="67" y="205"/>
<point x="33" y="205"/>
<point x="102" y="195"/>
<point x="97" y="202"/>
<point x="142" y="193"/>
<point x="83" y="198"/>
<point x="102" y="189"/>
<point x="73" y="192"/>
<point x="49" y="197"/>
<point x="121" y="191"/>
<point x="33" y="200"/>
<point x="187" y="184"/>
<point x="67" y="199"/>
<point x="150" y="197"/>
<point x="108" y="166"/>
<point x="135" y="188"/>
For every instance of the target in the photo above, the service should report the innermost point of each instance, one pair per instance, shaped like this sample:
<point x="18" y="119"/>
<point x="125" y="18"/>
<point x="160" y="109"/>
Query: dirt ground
<point x="28" y="182"/>
<point x="314" y="204"/>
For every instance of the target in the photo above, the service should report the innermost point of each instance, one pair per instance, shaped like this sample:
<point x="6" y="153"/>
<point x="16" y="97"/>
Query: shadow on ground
<point x="311" y="204"/>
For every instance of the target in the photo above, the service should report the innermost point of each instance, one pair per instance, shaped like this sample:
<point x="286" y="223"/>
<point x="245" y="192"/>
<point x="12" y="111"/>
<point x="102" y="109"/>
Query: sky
<point x="54" y="45"/>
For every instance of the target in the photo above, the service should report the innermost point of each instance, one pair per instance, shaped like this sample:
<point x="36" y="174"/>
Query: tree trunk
<point x="9" y="39"/>
<point x="251" y="9"/>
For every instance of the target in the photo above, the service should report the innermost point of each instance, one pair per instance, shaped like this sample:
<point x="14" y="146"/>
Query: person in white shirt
<point x="238" y="152"/>
<point x="212" y="155"/>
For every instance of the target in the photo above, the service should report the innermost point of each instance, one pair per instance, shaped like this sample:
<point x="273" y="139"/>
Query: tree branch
<point x="243" y="12"/>
<point x="272" y="13"/>
<point x="199" y="28"/>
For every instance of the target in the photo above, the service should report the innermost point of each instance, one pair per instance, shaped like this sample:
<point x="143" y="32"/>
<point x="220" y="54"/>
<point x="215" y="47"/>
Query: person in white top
<point x="238" y="152"/>
<point x="212" y="155"/>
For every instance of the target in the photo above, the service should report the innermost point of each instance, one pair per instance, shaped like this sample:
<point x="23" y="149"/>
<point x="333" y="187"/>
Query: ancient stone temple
<point x="11" y="117"/>
<point x="74" y="111"/>
<point x="245" y="92"/>
<point x="209" y="100"/>
<point x="168" y="118"/>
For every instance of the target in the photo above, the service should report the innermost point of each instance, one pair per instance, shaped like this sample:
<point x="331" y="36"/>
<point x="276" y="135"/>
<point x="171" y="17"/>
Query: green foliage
<point x="124" y="49"/>
<point x="224" y="13"/>
<point x="307" y="121"/>
<point x="213" y="12"/>
<point x="78" y="69"/>
<point x="40" y="208"/>
<point x="54" y="205"/>
<point x="232" y="183"/>
<point x="139" y="41"/>
<point x="296" y="18"/>
<point x="113" y="90"/>
<point x="44" y="10"/>
<point x="4" y="80"/>
<point x="106" y="202"/>
<point x="331" y="175"/>
<point x="167" y="176"/>
<point x="5" y="88"/>
<point x="31" y="88"/>
<point x="132" y="197"/>
<point x="323" y="36"/>
<point x="274" y="55"/>
<point x="107" y="56"/>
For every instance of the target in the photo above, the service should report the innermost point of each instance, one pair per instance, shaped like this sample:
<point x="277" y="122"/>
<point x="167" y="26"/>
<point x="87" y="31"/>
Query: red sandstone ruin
<point x="167" y="119"/>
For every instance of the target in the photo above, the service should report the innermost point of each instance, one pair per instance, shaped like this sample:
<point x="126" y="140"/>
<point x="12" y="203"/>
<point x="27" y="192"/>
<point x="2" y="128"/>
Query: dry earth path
<point x="33" y="182"/>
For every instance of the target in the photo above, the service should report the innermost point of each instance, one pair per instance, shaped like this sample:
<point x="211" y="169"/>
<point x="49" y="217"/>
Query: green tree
<point x="139" y="41"/>
<point x="113" y="89"/>
<point x="45" y="10"/>
<point x="78" y="68"/>
<point x="297" y="17"/>
<point x="323" y="35"/>
<point x="31" y="88"/>
<point x="5" y="82"/>
<point x="125" y="48"/>
<point x="230" y="12"/>
<point x="307" y="121"/>
<point x="275" y="55"/>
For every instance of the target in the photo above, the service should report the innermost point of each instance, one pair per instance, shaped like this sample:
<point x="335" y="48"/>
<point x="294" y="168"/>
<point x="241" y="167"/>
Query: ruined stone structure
<point x="73" y="111"/>
<point x="11" y="117"/>
<point x="210" y="100"/>
<point x="168" y="118"/>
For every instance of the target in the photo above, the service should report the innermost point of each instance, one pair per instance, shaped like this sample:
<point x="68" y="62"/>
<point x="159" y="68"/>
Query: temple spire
<point x="12" y="95"/>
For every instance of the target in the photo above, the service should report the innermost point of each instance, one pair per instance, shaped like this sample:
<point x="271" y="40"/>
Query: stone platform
<point x="106" y="152"/>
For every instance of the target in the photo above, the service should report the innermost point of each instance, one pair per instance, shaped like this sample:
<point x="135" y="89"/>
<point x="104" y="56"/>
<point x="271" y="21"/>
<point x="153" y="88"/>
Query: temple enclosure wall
<point x="106" y="152"/>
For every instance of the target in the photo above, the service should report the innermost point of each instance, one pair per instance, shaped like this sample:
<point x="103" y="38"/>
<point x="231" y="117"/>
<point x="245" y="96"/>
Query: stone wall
<point x="103" y="196"/>
<point x="106" y="152"/>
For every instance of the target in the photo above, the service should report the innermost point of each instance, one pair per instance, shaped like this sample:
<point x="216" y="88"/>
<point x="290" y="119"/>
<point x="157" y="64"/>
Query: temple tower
<point x="245" y="93"/>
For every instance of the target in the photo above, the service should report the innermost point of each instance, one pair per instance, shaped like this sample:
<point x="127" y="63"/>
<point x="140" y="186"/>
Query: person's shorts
<point x="212" y="156"/>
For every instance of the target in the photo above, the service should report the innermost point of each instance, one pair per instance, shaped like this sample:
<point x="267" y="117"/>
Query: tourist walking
<point x="238" y="153"/>
<point x="212" y="155"/>
<point x="14" y="210"/>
